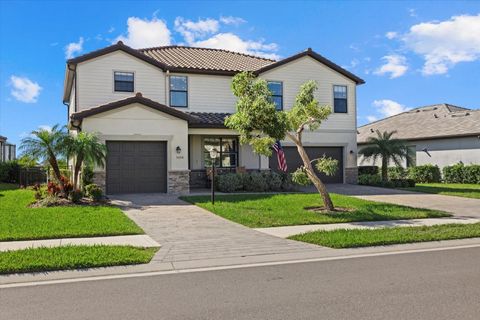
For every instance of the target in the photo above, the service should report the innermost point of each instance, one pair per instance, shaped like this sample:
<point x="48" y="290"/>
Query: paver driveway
<point x="188" y="233"/>
<point x="460" y="207"/>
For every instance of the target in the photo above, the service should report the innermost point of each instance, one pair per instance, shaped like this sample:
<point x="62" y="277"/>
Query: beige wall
<point x="95" y="80"/>
<point x="136" y="122"/>
<point x="443" y="152"/>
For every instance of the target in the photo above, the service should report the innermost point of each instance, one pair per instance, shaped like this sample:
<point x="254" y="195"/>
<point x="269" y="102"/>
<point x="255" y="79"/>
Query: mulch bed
<point x="62" y="202"/>
<point x="323" y="210"/>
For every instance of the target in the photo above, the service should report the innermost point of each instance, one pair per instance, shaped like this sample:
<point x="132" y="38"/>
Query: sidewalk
<point x="287" y="231"/>
<point x="142" y="240"/>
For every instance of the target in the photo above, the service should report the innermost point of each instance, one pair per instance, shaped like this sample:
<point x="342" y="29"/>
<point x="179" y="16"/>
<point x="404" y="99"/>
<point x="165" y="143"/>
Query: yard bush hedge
<point x="9" y="171"/>
<point x="460" y="173"/>
<point x="396" y="173"/>
<point x="369" y="179"/>
<point x="368" y="170"/>
<point x="427" y="173"/>
<point x="253" y="182"/>
<point x="376" y="181"/>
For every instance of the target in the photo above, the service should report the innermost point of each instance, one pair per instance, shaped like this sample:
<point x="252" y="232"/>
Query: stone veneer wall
<point x="100" y="178"/>
<point x="351" y="175"/>
<point x="179" y="181"/>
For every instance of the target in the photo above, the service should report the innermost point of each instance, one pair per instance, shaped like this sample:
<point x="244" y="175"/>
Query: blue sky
<point x="410" y="53"/>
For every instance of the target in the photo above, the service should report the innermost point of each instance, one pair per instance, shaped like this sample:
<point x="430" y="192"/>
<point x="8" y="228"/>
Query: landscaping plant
<point x="425" y="174"/>
<point x="259" y="124"/>
<point x="387" y="148"/>
<point x="94" y="192"/>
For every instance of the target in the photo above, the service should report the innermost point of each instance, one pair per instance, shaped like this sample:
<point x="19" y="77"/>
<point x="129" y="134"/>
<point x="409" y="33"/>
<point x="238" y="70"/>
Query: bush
<point x="40" y="191"/>
<point x="424" y="174"/>
<point x="229" y="182"/>
<point x="255" y="182"/>
<point x="53" y="188"/>
<point x="274" y="181"/>
<point x="368" y="170"/>
<point x="287" y="183"/>
<point x="369" y="179"/>
<point x="87" y="176"/>
<point x="9" y="171"/>
<point x="460" y="173"/>
<point x="94" y="192"/>
<point x="395" y="173"/>
<point x="75" y="196"/>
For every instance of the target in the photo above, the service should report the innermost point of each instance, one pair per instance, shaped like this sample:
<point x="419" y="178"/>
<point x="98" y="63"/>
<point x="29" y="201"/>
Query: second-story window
<point x="276" y="87"/>
<point x="178" y="91"/>
<point x="123" y="81"/>
<point x="340" y="99"/>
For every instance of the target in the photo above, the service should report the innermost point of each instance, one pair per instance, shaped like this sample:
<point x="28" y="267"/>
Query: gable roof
<point x="199" y="60"/>
<point x="310" y="53"/>
<point x="137" y="98"/>
<point x="430" y="122"/>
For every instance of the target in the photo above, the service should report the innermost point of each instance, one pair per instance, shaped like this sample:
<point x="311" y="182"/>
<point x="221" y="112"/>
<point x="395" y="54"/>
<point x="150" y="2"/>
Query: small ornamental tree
<point x="261" y="125"/>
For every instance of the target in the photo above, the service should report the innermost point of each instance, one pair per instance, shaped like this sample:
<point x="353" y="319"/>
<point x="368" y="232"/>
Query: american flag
<point x="282" y="163"/>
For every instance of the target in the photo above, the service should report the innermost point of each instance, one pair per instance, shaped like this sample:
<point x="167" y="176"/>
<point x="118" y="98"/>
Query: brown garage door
<point x="136" y="166"/>
<point x="294" y="161"/>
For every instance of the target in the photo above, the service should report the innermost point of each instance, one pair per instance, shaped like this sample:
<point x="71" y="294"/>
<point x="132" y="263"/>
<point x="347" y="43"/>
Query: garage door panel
<point x="136" y="166"/>
<point x="294" y="161"/>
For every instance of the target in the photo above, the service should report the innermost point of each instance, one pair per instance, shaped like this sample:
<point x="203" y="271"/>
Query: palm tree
<point x="86" y="148"/>
<point x="48" y="144"/>
<point x="385" y="147"/>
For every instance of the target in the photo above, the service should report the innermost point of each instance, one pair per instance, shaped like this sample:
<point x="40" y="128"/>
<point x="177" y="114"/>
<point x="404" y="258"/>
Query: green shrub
<point x="396" y="173"/>
<point x="369" y="179"/>
<point x="255" y="182"/>
<point x="75" y="196"/>
<point x="87" y="176"/>
<point x="229" y="182"/>
<point x="9" y="171"/>
<point x="472" y="174"/>
<point x="424" y="174"/>
<point x="274" y="181"/>
<point x="287" y="183"/>
<point x="368" y="170"/>
<point x="460" y="173"/>
<point x="94" y="192"/>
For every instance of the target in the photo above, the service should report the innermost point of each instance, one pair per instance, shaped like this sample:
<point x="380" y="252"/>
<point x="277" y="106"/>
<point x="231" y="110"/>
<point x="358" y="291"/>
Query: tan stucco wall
<point x="136" y="122"/>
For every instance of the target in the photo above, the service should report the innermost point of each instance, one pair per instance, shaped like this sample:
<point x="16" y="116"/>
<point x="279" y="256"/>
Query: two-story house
<point x="160" y="109"/>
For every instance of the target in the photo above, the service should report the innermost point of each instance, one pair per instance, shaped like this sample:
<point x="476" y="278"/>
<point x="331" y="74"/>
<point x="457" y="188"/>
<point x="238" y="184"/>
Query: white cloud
<point x="192" y="30"/>
<point x="144" y="33"/>
<point x="73" y="47"/>
<point x="391" y="35"/>
<point x="372" y="118"/>
<point x="388" y="107"/>
<point x="111" y="30"/>
<point x="446" y="43"/>
<point x="396" y="66"/>
<point x="230" y="41"/>
<point x="232" y="20"/>
<point x="412" y="13"/>
<point x="24" y="89"/>
<point x="45" y="127"/>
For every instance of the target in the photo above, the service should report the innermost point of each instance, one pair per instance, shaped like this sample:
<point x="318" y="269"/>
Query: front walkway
<point x="193" y="237"/>
<point x="458" y="206"/>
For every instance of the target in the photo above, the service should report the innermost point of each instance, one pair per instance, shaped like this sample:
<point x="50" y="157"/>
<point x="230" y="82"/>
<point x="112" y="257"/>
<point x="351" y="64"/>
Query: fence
<point x="31" y="176"/>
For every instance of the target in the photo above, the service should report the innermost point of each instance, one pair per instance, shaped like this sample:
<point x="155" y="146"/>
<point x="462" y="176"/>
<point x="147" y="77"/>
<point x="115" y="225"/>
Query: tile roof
<point x="430" y="122"/>
<point x="205" y="59"/>
<point x="208" y="119"/>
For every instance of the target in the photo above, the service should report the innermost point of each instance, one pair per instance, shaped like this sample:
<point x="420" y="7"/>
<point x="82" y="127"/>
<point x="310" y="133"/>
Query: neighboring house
<point x="160" y="109"/>
<point x="440" y="134"/>
<point x="7" y="150"/>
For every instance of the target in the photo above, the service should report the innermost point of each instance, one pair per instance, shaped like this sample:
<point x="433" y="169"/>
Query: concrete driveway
<point x="193" y="237"/>
<point x="460" y="207"/>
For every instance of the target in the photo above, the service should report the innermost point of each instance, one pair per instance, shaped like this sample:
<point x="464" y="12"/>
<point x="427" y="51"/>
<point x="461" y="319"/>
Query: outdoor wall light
<point x="351" y="151"/>
<point x="178" y="149"/>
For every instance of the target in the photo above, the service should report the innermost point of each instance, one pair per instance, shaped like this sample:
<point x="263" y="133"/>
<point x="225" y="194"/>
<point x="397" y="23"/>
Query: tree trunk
<point x="384" y="168"/>
<point x="76" y="171"/>
<point x="327" y="201"/>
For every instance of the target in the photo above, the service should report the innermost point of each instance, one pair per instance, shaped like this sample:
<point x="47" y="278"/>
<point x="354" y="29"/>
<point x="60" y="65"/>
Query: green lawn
<point x="18" y="222"/>
<point x="449" y="189"/>
<point x="71" y="257"/>
<point x="273" y="210"/>
<point x="387" y="236"/>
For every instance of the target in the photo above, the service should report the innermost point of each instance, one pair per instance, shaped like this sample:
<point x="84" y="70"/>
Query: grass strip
<point x="449" y="189"/>
<point x="71" y="257"/>
<point x="387" y="236"/>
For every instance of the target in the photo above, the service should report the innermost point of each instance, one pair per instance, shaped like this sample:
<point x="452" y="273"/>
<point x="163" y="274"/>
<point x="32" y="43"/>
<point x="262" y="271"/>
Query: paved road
<point x="432" y="285"/>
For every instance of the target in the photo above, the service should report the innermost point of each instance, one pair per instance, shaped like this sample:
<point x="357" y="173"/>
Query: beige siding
<point x="136" y="122"/>
<point x="95" y="80"/>
<point x="295" y="73"/>
<point x="71" y="102"/>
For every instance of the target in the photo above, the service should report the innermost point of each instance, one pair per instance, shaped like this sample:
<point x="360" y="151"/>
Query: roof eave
<point x="450" y="136"/>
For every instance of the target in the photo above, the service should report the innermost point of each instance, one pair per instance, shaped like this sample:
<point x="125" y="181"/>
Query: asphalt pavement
<point x="426" y="285"/>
